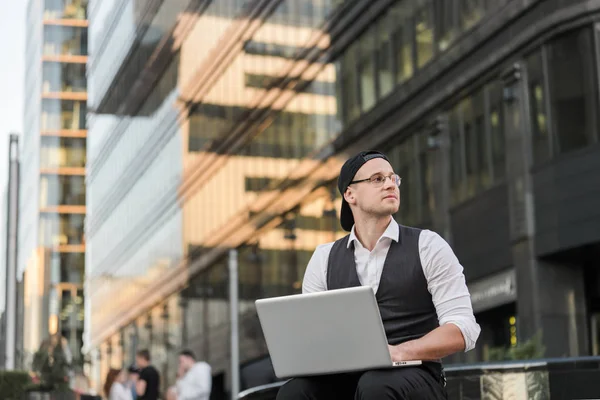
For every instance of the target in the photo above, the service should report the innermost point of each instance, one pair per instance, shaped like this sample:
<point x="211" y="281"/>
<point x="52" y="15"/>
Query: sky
<point x="12" y="60"/>
<point x="12" y="68"/>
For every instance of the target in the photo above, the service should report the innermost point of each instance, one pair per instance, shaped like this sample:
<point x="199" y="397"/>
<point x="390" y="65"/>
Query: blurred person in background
<point x="80" y="384"/>
<point x="194" y="379"/>
<point x="51" y="364"/>
<point x="134" y="376"/>
<point x="148" y="384"/>
<point x="115" y="386"/>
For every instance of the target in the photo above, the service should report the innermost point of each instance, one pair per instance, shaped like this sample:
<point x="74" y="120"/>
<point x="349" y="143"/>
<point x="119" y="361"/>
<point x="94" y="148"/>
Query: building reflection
<point x="158" y="237"/>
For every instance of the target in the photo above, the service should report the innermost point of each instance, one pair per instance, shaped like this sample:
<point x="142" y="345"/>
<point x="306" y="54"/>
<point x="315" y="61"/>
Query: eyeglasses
<point x="377" y="180"/>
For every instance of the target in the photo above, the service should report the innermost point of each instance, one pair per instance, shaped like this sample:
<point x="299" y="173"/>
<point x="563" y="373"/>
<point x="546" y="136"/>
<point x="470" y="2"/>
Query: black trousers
<point x="402" y="383"/>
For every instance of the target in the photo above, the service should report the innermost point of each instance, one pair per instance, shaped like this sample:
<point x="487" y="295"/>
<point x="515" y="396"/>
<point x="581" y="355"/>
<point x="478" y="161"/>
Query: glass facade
<point x="53" y="194"/>
<point x="64" y="77"/>
<point x="415" y="32"/>
<point x="65" y="41"/>
<point x="63" y="115"/>
<point x="562" y="110"/>
<point x="56" y="190"/>
<point x="61" y="229"/>
<point x="572" y="90"/>
<point x="67" y="267"/>
<point x="65" y="9"/>
<point x="477" y="143"/>
<point x="110" y="42"/>
<point x="58" y="152"/>
<point x="243" y="153"/>
<point x="413" y="161"/>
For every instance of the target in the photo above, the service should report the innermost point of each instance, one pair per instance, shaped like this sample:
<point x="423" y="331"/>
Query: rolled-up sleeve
<point x="316" y="272"/>
<point x="447" y="285"/>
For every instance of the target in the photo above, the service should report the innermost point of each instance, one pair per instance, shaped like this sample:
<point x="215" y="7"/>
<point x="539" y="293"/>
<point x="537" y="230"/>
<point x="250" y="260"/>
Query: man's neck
<point x="369" y="230"/>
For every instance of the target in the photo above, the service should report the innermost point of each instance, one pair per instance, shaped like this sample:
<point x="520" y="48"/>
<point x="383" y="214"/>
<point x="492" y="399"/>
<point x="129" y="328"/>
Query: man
<point x="195" y="378"/>
<point x="148" y="384"/>
<point x="420" y="288"/>
<point x="134" y="376"/>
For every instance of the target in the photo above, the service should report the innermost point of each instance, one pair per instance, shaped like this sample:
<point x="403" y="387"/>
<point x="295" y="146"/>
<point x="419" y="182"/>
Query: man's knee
<point x="398" y="384"/>
<point x="295" y="389"/>
<point x="376" y="385"/>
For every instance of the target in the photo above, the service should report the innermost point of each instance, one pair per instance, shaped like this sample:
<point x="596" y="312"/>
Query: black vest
<point x="404" y="301"/>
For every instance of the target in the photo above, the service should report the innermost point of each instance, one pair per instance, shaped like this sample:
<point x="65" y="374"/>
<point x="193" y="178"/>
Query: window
<point x="61" y="229"/>
<point x="63" y="115"/>
<point x="477" y="149"/>
<point x="471" y="12"/>
<point x="402" y="38"/>
<point x="65" y="40"/>
<point x="64" y="77"/>
<point x="306" y="13"/>
<point x="426" y="170"/>
<point x="206" y="122"/>
<point x="366" y="71"/>
<point x="295" y="139"/>
<point x="58" y="152"/>
<point x="404" y="162"/>
<point x="65" y="9"/>
<point x="272" y="49"/>
<point x="573" y="92"/>
<point x="163" y="88"/>
<point x="537" y="107"/>
<point x="289" y="136"/>
<point x="476" y="146"/>
<point x="495" y="121"/>
<point x="62" y="190"/>
<point x="348" y="95"/>
<point x="424" y="32"/>
<point x="456" y="156"/>
<point x="385" y="55"/>
<point x="446" y="22"/>
<point x="67" y="267"/>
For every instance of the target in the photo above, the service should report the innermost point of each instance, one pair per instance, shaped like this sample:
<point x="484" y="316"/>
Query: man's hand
<point x="140" y="387"/>
<point x="441" y="342"/>
<point x="396" y="353"/>
<point x="172" y="393"/>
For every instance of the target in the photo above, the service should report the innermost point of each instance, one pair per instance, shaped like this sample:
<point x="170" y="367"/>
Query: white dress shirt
<point x="444" y="274"/>
<point x="196" y="383"/>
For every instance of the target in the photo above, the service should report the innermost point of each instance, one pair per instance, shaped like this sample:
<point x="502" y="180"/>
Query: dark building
<point x="224" y="125"/>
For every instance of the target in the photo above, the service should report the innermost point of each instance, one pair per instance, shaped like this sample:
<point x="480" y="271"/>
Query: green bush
<point x="13" y="384"/>
<point x="528" y="350"/>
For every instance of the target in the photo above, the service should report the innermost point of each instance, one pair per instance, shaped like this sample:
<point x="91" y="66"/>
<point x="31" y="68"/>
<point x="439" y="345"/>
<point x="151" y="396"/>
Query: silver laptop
<point x="327" y="332"/>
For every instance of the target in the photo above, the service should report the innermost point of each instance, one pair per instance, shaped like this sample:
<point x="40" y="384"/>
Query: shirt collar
<point x="392" y="232"/>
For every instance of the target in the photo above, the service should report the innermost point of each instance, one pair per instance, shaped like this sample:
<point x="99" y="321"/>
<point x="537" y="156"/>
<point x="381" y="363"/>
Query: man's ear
<point x="349" y="196"/>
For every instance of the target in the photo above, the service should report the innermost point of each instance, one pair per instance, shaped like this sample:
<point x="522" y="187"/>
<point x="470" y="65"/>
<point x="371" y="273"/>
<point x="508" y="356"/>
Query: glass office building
<point x="52" y="198"/>
<point x="223" y="124"/>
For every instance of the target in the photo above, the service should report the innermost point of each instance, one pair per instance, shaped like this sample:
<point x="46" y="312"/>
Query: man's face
<point x="185" y="363"/>
<point x="367" y="197"/>
<point x="141" y="362"/>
